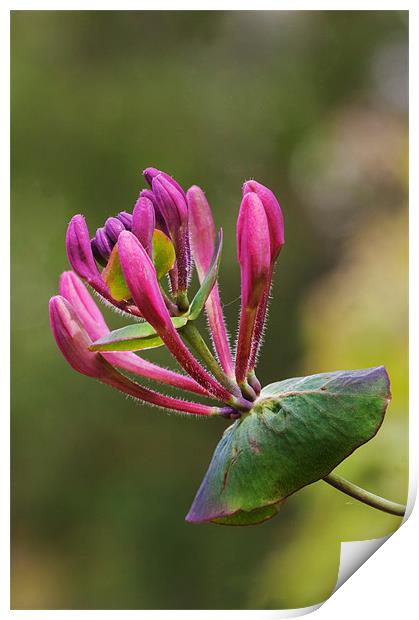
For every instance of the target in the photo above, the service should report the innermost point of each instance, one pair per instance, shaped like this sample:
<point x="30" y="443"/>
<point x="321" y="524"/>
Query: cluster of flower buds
<point x="126" y="264"/>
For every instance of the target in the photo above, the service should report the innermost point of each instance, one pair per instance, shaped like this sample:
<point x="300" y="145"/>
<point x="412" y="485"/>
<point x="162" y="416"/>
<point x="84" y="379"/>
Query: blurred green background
<point x="314" y="105"/>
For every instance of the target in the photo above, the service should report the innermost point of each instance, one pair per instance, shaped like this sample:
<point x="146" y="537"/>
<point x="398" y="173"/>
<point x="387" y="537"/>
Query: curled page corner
<point x="354" y="554"/>
<point x="297" y="612"/>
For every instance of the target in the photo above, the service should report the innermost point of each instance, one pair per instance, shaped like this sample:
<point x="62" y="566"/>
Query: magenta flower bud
<point x="171" y="202"/>
<point x="160" y="222"/>
<point x="75" y="292"/>
<point x="73" y="341"/>
<point x="202" y="235"/>
<point x="143" y="223"/>
<point x="80" y="253"/>
<point x="88" y="313"/>
<point x="113" y="228"/>
<point x="141" y="278"/>
<point x="126" y="219"/>
<point x="173" y="207"/>
<point x="252" y="241"/>
<point x="276" y="230"/>
<point x="255" y="268"/>
<point x="151" y="173"/>
<point x="101" y="246"/>
<point x="201" y="228"/>
<point x="273" y="213"/>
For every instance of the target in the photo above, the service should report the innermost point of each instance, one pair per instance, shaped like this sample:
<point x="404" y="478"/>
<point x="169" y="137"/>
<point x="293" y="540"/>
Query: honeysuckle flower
<point x="254" y="259"/>
<point x="124" y="248"/>
<point x="273" y="448"/>
<point x="151" y="173"/>
<point x="174" y="209"/>
<point x="144" y="223"/>
<point x="74" y="343"/>
<point x="202" y="236"/>
<point x="273" y="214"/>
<point x="276" y="234"/>
<point x="160" y="223"/>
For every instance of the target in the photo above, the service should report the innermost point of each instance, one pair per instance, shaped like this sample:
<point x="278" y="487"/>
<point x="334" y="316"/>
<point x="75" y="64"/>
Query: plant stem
<point x="195" y="340"/>
<point x="183" y="301"/>
<point x="365" y="496"/>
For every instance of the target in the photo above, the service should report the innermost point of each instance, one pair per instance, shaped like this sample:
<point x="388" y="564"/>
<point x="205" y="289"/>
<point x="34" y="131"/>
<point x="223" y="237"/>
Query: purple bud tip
<point x="160" y="221"/>
<point x="273" y="213"/>
<point x="152" y="173"/>
<point x="102" y="246"/>
<point x="126" y="219"/>
<point x="144" y="222"/>
<point x="171" y="202"/>
<point x="79" y="250"/>
<point x="202" y="229"/>
<point x="113" y="228"/>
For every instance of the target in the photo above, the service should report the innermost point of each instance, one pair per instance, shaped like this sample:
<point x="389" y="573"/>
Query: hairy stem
<point x="196" y="341"/>
<point x="182" y="301"/>
<point x="364" y="496"/>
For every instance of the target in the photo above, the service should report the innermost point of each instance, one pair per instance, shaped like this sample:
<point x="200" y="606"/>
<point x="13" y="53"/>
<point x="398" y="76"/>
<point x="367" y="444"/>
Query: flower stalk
<point x="366" y="497"/>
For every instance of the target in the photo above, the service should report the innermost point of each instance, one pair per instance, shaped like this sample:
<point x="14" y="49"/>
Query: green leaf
<point x="114" y="278"/>
<point x="202" y="295"/>
<point x="298" y="431"/>
<point x="134" y="337"/>
<point x="163" y="253"/>
<point x="249" y="518"/>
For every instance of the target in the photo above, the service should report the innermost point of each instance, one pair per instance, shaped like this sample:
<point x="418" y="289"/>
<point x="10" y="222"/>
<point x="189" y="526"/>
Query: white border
<point x="386" y="585"/>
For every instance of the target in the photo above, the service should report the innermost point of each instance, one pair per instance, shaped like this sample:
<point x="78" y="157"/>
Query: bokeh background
<point x="314" y="105"/>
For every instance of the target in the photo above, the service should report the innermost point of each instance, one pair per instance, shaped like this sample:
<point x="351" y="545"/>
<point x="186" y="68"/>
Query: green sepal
<point x="297" y="432"/>
<point x="163" y="253"/>
<point x="134" y="337"/>
<point x="114" y="277"/>
<point x="206" y="287"/>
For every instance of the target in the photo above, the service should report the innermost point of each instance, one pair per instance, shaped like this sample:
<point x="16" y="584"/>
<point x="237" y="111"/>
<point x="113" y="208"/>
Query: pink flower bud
<point x="252" y="244"/>
<point x="73" y="341"/>
<point x="273" y="214"/>
<point x="75" y="292"/>
<point x="144" y="223"/>
<point x="141" y="278"/>
<point x="202" y="229"/>
<point x="202" y="235"/>
<point x="89" y="315"/>
<point x="151" y="173"/>
<point x="171" y="202"/>
<point x="276" y="230"/>
<point x="79" y="251"/>
<point x="160" y="223"/>
<point x="173" y="207"/>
